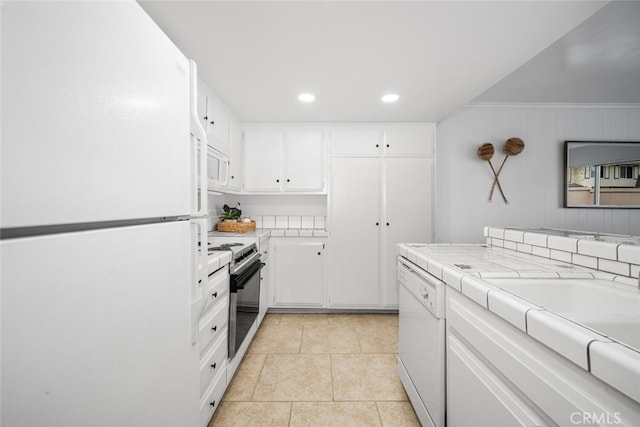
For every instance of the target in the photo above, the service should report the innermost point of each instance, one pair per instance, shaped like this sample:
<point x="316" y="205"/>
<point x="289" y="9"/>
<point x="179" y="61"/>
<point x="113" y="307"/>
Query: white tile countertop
<point x="467" y="269"/>
<point x="217" y="259"/>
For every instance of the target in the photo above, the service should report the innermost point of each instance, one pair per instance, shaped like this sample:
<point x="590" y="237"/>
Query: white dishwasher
<point x="421" y="342"/>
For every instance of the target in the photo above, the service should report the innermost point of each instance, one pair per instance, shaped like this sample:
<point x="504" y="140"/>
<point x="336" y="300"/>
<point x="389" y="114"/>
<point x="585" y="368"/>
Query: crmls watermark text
<point x="595" y="418"/>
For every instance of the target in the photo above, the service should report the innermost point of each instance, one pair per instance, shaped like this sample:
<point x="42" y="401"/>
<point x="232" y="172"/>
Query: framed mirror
<point x="602" y="174"/>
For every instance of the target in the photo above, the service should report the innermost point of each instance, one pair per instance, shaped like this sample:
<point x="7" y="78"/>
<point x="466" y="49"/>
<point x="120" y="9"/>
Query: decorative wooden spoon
<point x="512" y="147"/>
<point x="485" y="152"/>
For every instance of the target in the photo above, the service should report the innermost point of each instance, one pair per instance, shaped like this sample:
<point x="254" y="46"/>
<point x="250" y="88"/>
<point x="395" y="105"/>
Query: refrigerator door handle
<point x="199" y="209"/>
<point x="198" y="272"/>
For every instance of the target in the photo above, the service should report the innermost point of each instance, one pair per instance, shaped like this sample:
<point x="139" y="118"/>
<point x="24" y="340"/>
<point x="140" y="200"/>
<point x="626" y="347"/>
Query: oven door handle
<point x="239" y="280"/>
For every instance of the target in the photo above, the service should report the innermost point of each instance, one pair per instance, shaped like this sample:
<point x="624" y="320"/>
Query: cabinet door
<point x="218" y="124"/>
<point x="409" y="141"/>
<point x="236" y="154"/>
<point x="303" y="160"/>
<point x="204" y="93"/>
<point x="408" y="195"/>
<point x="354" y="230"/>
<point x="299" y="272"/>
<point x="265" y="287"/>
<point x="355" y="142"/>
<point x="262" y="155"/>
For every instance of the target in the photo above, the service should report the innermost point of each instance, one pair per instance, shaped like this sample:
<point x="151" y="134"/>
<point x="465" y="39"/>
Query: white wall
<point x="533" y="180"/>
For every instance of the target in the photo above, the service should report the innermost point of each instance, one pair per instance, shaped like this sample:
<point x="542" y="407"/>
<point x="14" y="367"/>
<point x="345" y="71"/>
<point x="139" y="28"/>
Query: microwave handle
<point x="201" y="145"/>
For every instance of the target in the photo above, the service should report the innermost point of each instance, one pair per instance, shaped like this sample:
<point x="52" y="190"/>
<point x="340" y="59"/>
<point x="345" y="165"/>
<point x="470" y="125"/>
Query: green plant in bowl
<point x="229" y="216"/>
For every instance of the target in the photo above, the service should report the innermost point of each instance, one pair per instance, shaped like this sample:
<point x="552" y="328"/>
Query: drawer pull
<point x="213" y="403"/>
<point x="215" y="328"/>
<point x="213" y="366"/>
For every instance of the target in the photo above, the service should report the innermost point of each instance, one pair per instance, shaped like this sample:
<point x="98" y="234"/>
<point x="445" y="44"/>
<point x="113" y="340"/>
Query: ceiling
<point x="597" y="62"/>
<point x="258" y="56"/>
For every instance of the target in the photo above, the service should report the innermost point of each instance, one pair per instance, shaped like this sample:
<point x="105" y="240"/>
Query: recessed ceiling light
<point x="390" y="97"/>
<point x="306" y="97"/>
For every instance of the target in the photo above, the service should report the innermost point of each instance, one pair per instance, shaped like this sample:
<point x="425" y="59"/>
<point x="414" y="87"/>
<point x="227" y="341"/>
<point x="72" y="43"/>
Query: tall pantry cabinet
<point x="380" y="194"/>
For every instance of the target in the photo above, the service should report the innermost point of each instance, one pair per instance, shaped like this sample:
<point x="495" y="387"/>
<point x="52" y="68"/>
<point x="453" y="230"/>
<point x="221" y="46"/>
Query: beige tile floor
<point x="319" y="370"/>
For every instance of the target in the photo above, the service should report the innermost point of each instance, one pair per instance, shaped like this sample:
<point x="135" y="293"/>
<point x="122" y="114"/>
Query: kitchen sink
<point x="607" y="307"/>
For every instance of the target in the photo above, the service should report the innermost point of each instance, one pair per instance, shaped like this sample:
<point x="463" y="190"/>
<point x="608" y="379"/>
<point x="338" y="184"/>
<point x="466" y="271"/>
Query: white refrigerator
<point x="100" y="219"/>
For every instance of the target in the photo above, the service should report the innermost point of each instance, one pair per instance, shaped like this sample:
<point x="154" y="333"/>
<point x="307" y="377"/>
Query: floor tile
<point x="277" y="339"/>
<point x="397" y="414"/>
<point x="243" y="414"/>
<point x="329" y="339"/>
<point x="271" y="319"/>
<point x="303" y="319"/>
<point x="334" y="414"/>
<point x="246" y="377"/>
<point x="366" y="377"/>
<point x="377" y="338"/>
<point x="295" y="377"/>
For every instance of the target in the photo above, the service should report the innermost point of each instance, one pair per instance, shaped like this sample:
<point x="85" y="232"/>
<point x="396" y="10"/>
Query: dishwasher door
<point x="421" y="345"/>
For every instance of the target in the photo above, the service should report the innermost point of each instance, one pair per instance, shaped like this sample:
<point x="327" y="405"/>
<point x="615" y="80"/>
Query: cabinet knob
<point x="387" y="145"/>
<point x="277" y="180"/>
<point x="215" y="295"/>
<point x="213" y="123"/>
<point x="213" y="366"/>
<point x="288" y="180"/>
<point x="215" y="328"/>
<point x="213" y="403"/>
<point x="377" y="145"/>
<point x="319" y="253"/>
<point x="377" y="223"/>
<point x="233" y="177"/>
<point x="387" y="224"/>
<point x="206" y="117"/>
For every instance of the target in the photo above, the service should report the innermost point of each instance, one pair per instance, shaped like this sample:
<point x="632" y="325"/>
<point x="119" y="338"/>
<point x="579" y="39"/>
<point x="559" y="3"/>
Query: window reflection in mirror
<point x="602" y="174"/>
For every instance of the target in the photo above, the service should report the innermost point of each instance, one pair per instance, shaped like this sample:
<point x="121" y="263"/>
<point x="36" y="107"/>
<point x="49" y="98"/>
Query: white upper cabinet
<point x="283" y="160"/>
<point x="218" y="124"/>
<point x="304" y="160"/>
<point x="409" y="140"/>
<point x="236" y="156"/>
<point x="355" y="142"/>
<point x="387" y="140"/>
<point x="214" y="117"/>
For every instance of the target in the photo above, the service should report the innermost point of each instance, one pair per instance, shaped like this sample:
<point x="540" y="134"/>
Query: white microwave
<point x="217" y="169"/>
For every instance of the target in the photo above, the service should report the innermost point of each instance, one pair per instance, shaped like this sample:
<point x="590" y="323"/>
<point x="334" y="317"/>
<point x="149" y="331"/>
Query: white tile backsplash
<point x="307" y="221"/>
<point x="295" y="222"/>
<point x="628" y="253"/>
<point x="584" y="260"/>
<point x="598" y="249"/>
<point x="613" y="254"/>
<point x="319" y="222"/>
<point x="268" y="221"/>
<point x="282" y="221"/>
<point x="562" y="243"/>
<point x="613" y="266"/>
<point x="514" y="236"/>
<point x="536" y="239"/>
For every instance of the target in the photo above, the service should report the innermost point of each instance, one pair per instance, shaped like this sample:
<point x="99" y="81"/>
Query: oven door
<point x="244" y="304"/>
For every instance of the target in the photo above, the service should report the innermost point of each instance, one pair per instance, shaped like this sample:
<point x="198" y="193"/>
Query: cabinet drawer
<point x="216" y="288"/>
<point x="213" y="325"/>
<point x="212" y="397"/>
<point x="213" y="362"/>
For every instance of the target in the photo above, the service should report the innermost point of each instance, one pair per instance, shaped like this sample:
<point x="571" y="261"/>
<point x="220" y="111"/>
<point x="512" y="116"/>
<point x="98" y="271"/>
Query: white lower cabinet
<point x="298" y="272"/>
<point x="374" y="204"/>
<point x="499" y="376"/>
<point x="213" y="342"/>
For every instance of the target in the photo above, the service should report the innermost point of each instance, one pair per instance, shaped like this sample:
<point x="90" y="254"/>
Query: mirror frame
<point x="566" y="182"/>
